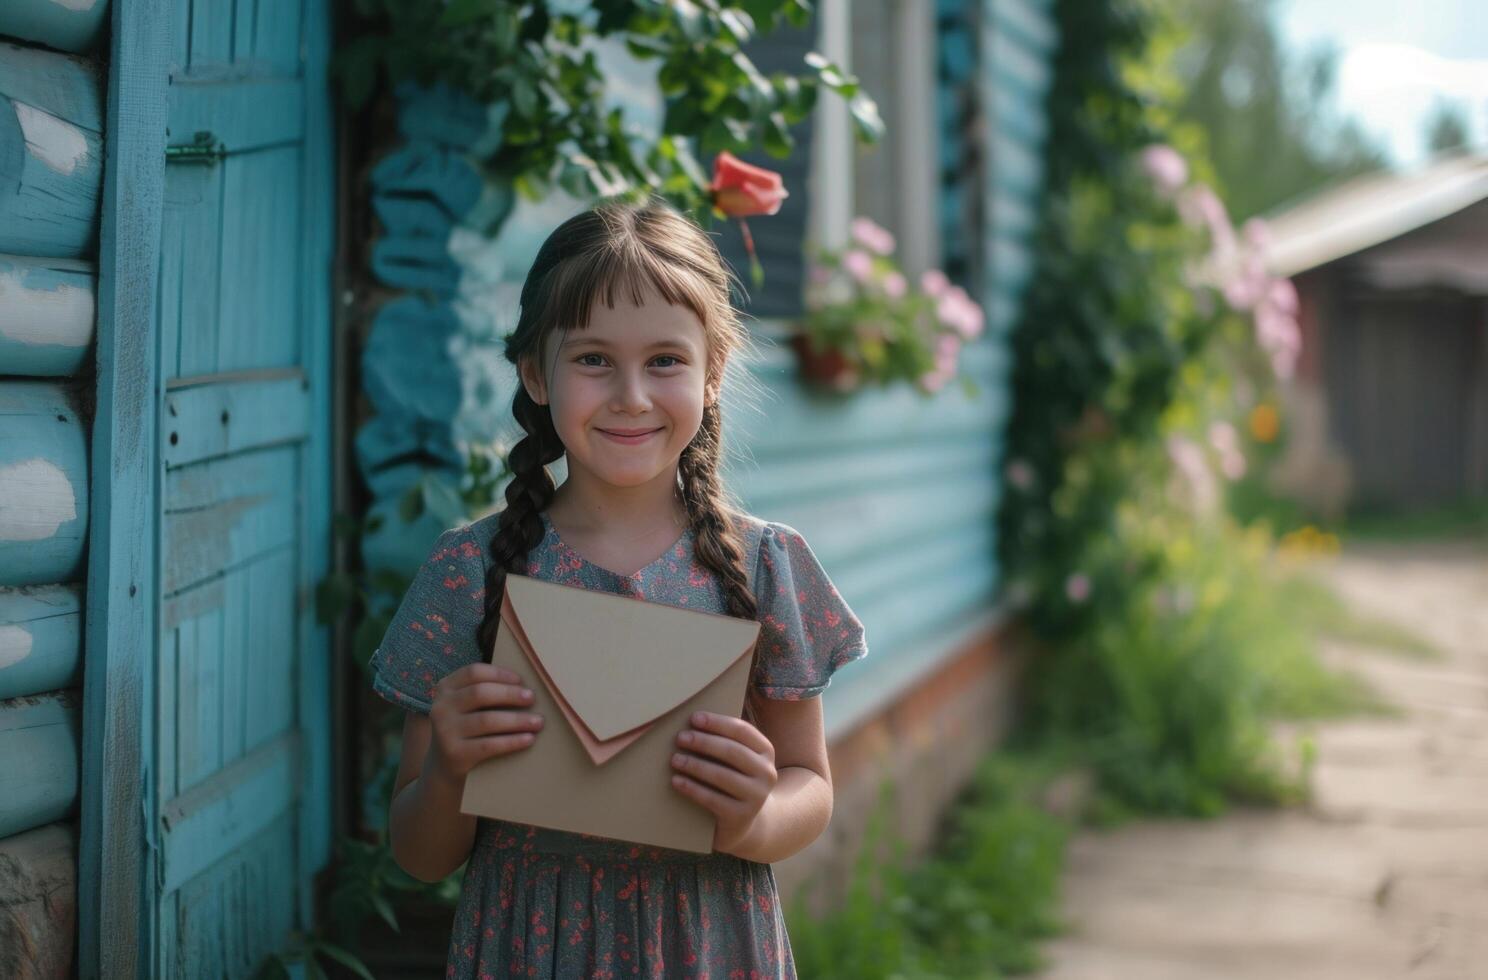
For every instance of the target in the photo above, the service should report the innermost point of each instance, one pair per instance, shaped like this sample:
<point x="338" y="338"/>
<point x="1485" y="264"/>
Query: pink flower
<point x="1232" y="464"/>
<point x="1222" y="436"/>
<point x="933" y="381"/>
<point x="934" y="282"/>
<point x="1245" y="289"/>
<point x="1226" y="442"/>
<point x="1188" y="459"/>
<point x="894" y="285"/>
<point x="820" y="274"/>
<point x="872" y="237"/>
<point x="1201" y="207"/>
<point x="1166" y="167"/>
<point x="1077" y="587"/>
<point x="1283" y="296"/>
<point x="958" y="311"/>
<point x="859" y="263"/>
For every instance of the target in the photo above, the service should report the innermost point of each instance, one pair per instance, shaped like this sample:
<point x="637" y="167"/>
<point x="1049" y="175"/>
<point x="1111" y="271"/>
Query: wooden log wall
<point x="51" y="168"/>
<point x="420" y="192"/>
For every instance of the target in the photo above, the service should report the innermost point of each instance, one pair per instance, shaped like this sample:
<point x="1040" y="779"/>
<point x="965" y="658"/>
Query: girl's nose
<point x="632" y="396"/>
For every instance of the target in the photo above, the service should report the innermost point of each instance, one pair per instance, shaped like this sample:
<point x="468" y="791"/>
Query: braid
<point x="719" y="540"/>
<point x="527" y="496"/>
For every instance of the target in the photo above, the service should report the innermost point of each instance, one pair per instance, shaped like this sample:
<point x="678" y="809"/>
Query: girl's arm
<point x="478" y="711"/>
<point x="799" y="807"/>
<point x="769" y="785"/>
<point x="430" y="836"/>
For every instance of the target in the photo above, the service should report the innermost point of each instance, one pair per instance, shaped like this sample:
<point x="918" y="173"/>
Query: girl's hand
<point x="726" y="766"/>
<point x="477" y="714"/>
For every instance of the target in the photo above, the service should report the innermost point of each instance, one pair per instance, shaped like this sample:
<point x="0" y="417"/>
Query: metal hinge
<point x="205" y="148"/>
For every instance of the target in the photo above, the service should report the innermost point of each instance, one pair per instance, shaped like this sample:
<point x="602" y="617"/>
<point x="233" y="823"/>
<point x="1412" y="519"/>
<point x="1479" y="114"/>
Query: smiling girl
<point x="625" y="331"/>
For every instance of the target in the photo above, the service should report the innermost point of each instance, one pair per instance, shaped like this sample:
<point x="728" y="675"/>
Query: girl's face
<point x="627" y="392"/>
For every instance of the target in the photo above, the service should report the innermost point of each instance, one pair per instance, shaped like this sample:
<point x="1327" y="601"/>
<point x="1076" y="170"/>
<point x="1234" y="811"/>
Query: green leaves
<point x="561" y="131"/>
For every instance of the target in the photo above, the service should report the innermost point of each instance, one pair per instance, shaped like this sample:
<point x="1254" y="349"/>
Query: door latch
<point x="205" y="148"/>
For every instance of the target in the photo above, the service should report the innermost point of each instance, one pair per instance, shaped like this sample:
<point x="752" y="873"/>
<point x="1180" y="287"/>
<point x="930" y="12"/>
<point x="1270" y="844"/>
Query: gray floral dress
<point x="537" y="902"/>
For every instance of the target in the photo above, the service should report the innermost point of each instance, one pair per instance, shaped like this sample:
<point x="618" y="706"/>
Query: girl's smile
<point x="629" y="437"/>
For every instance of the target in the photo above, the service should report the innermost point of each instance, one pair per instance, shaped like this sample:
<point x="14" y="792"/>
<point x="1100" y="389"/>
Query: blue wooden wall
<point x="897" y="494"/>
<point x="165" y="743"/>
<point x="51" y="166"/>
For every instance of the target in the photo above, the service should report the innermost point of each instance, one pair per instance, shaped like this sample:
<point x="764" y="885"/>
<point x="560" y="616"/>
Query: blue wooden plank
<point x="244" y="114"/>
<point x="61" y="85"/>
<point x="50" y="152"/>
<point x="46" y="315"/>
<point x="315" y="701"/>
<point x="40" y="738"/>
<point x="41" y="639"/>
<point x="209" y="821"/>
<point x="797" y="421"/>
<point x="211" y="26"/>
<point x="257" y="316"/>
<point x="277" y="32"/>
<point x="116" y="895"/>
<point x="872" y="522"/>
<point x="43" y="485"/>
<point x="217" y="417"/>
<point x="833" y="475"/>
<point x="1029" y="23"/>
<point x="269" y="691"/>
<point x="234" y="913"/>
<point x="224" y="513"/>
<point x="1019" y="114"/>
<point x="62" y="24"/>
<point x="191" y="276"/>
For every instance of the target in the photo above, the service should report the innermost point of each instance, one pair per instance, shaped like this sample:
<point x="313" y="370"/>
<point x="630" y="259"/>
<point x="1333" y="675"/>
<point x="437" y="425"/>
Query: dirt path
<point x="1384" y="875"/>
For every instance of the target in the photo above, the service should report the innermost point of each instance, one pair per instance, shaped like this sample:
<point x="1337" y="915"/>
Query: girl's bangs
<point x="607" y="273"/>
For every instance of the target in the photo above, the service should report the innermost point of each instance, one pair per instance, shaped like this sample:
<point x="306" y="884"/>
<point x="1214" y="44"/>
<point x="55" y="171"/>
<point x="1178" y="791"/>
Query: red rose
<point x="741" y="189"/>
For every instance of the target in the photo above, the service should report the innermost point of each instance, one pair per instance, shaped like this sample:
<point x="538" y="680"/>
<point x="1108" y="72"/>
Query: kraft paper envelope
<point x="615" y="679"/>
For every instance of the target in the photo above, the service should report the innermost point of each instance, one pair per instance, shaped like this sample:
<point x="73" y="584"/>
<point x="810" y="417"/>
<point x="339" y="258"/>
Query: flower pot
<point x="825" y="367"/>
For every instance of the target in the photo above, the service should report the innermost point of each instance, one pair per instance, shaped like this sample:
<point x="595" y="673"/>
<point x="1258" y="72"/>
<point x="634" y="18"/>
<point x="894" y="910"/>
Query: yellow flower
<point x="1264" y="422"/>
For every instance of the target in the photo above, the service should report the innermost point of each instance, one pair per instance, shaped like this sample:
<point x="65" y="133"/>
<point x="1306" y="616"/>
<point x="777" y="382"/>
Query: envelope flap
<point x="621" y="662"/>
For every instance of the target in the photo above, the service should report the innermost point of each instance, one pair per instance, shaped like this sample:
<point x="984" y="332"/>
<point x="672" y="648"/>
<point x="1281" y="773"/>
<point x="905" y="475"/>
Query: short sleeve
<point x="433" y="631"/>
<point x="807" y="631"/>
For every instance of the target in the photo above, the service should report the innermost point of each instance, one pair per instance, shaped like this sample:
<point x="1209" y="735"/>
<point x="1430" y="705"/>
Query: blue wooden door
<point x="239" y="755"/>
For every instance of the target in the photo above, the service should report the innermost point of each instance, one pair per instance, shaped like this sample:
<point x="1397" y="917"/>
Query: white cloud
<point x="1394" y="89"/>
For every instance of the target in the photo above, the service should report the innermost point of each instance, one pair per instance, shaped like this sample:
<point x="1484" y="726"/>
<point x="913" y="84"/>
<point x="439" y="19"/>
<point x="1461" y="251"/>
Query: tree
<point x="1270" y="131"/>
<point x="1446" y="129"/>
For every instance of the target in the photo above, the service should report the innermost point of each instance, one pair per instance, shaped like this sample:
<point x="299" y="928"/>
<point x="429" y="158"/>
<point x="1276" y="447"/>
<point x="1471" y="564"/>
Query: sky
<point x="1397" y="59"/>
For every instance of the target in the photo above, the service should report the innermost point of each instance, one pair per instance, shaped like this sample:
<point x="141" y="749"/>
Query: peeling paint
<point x="15" y="644"/>
<point x="78" y="5"/>
<point x="36" y="498"/>
<point x="58" y="315"/>
<point x="55" y="142"/>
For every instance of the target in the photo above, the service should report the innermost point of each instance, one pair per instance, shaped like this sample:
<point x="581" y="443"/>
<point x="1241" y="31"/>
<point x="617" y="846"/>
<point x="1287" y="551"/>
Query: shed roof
<point x="1369" y="210"/>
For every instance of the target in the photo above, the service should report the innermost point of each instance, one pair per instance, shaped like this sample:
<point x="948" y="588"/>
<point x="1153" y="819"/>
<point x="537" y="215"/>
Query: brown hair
<point x="622" y="244"/>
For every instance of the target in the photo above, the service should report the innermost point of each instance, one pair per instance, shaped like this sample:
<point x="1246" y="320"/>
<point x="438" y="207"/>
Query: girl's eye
<point x="659" y="357"/>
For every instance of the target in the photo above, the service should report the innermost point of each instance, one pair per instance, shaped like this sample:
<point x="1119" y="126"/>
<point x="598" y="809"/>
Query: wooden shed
<point x="174" y="435"/>
<point x="1390" y="401"/>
